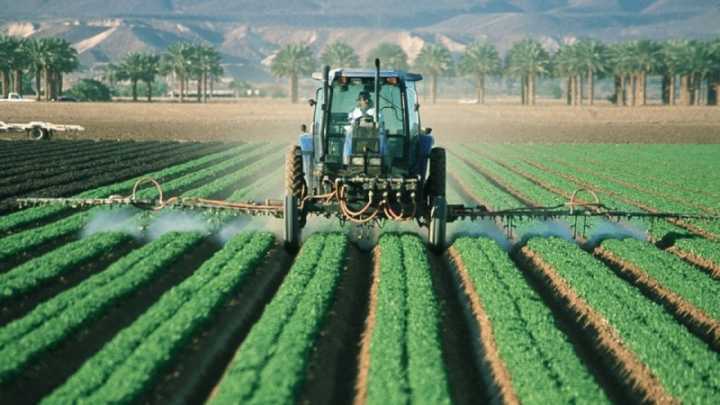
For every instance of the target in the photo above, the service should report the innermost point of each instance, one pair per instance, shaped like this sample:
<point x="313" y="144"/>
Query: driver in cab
<point x="363" y="110"/>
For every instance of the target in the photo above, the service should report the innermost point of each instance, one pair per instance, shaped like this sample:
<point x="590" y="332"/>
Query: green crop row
<point x="14" y="244"/>
<point x="406" y="362"/>
<point x="692" y="168"/>
<point x="37" y="271"/>
<point x="270" y="365"/>
<point x="635" y="196"/>
<point x="125" y="366"/>
<point x="671" y="272"/>
<point x="684" y="365"/>
<point x="30" y="215"/>
<point x="706" y="249"/>
<point x="53" y="320"/>
<point x="535" y="193"/>
<point x="252" y="170"/>
<point x="514" y="158"/>
<point x="481" y="188"/>
<point x="543" y="365"/>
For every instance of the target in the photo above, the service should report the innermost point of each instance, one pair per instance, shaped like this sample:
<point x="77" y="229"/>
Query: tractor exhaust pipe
<point x="325" y="109"/>
<point x="377" y="92"/>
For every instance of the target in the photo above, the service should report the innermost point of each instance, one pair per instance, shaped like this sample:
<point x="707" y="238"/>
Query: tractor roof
<point x="400" y="74"/>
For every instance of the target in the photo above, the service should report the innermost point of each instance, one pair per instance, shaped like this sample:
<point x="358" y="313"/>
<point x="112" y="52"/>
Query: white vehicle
<point x="16" y="98"/>
<point x="38" y="130"/>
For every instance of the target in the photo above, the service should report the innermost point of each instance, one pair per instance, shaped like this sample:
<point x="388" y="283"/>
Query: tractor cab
<point x="366" y="128"/>
<point x="366" y="158"/>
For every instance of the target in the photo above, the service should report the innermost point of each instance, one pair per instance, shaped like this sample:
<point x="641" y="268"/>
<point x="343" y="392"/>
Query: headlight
<point x="357" y="161"/>
<point x="375" y="161"/>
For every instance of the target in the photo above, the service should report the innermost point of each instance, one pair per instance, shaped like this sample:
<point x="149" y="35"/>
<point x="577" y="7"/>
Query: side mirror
<point x="312" y="102"/>
<point x="417" y="106"/>
<point x="428" y="131"/>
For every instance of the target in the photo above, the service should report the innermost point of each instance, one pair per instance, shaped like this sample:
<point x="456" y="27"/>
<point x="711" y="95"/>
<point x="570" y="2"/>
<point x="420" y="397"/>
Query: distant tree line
<point x="183" y="62"/>
<point x="46" y="59"/>
<point x="691" y="66"/>
<point x="689" y="69"/>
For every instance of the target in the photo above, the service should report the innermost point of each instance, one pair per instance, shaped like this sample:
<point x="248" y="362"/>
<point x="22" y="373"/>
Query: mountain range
<point x="248" y="33"/>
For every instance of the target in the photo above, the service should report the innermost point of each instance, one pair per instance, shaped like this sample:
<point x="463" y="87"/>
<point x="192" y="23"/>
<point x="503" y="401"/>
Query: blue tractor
<point x="366" y="158"/>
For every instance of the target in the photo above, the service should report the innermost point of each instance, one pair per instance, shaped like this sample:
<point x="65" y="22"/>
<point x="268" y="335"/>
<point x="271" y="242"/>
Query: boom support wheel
<point x="437" y="228"/>
<point x="436" y="199"/>
<point x="291" y="228"/>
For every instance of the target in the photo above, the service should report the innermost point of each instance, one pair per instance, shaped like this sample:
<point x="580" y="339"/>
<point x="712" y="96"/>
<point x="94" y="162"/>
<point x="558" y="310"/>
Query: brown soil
<point x="458" y="338"/>
<point x="198" y="366"/>
<point x="497" y="373"/>
<point x="332" y="371"/>
<point x="638" y="377"/>
<point x="693" y="317"/>
<point x="278" y="120"/>
<point x="709" y="266"/>
<point x="366" y="339"/>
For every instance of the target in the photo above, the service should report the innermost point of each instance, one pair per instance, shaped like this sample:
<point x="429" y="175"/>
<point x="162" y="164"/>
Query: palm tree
<point x="391" y="55"/>
<point x="645" y="54"/>
<point x="480" y="60"/>
<point x="292" y="61"/>
<point x="8" y="50"/>
<point x="592" y="58"/>
<point x="216" y="72"/>
<point x="21" y="63"/>
<point x="340" y="54"/>
<point x="567" y="63"/>
<point x="714" y="86"/>
<point x="527" y="59"/>
<point x="208" y="60"/>
<point x="622" y="65"/>
<point x="39" y="55"/>
<point x="65" y="60"/>
<point x="137" y="67"/>
<point x="673" y="62"/>
<point x="434" y="60"/>
<point x="176" y="62"/>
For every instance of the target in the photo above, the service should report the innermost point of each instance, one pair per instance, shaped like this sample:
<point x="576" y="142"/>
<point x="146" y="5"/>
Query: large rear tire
<point x="436" y="178"/>
<point x="295" y="189"/>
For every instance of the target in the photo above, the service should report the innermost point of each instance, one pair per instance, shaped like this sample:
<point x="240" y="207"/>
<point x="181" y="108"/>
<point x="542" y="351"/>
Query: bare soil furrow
<point x="197" y="368"/>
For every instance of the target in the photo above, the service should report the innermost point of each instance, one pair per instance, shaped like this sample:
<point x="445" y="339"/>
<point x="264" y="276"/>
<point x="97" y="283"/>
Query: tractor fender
<point x="307" y="148"/>
<point x="425" y="144"/>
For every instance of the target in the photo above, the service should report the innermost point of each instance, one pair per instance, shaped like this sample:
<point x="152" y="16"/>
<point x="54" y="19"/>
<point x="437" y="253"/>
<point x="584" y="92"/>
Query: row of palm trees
<point x="45" y="58"/>
<point x="183" y="62"/>
<point x="695" y="65"/>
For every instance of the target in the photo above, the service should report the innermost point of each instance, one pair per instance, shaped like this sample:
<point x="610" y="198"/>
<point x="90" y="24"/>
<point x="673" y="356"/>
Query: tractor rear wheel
<point x="436" y="178"/>
<point x="294" y="218"/>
